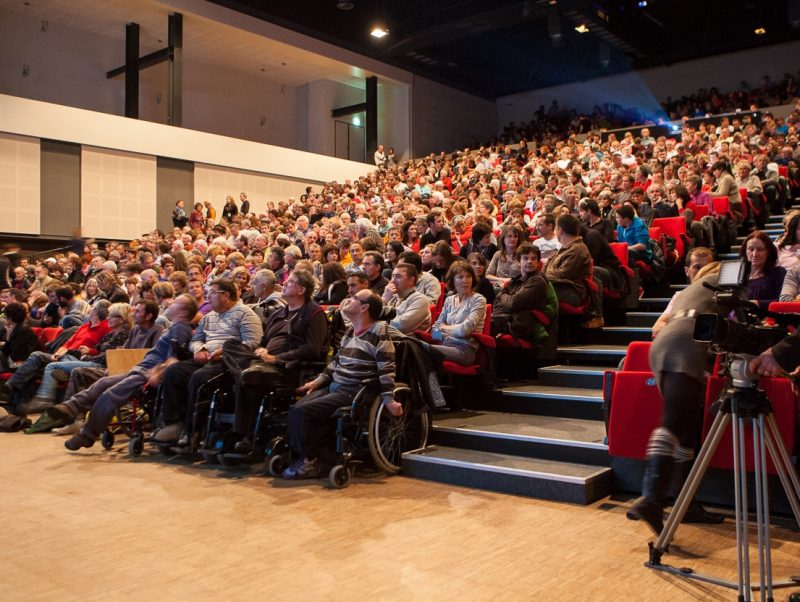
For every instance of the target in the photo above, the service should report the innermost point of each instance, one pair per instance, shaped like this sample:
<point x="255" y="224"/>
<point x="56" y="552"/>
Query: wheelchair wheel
<point x="136" y="445"/>
<point x="277" y="464"/>
<point x="389" y="437"/>
<point x="339" y="476"/>
<point x="107" y="439"/>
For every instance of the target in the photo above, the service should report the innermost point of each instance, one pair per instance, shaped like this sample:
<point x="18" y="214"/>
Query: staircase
<point x="543" y="438"/>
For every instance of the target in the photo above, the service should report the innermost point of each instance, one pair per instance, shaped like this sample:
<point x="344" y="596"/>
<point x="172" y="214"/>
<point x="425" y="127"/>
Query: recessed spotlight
<point x="582" y="28"/>
<point x="345" y="5"/>
<point x="642" y="4"/>
<point x="379" y="32"/>
<point x="759" y="31"/>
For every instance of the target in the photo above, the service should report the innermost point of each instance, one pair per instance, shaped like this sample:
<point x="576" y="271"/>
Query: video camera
<point x="745" y="335"/>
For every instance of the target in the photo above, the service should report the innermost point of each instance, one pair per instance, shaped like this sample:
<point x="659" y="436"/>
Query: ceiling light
<point x="582" y="28"/>
<point x="345" y="5"/>
<point x="759" y="31"/>
<point x="642" y="4"/>
<point x="379" y="32"/>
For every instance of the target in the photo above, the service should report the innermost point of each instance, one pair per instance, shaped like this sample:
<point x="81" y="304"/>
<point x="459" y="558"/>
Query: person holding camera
<point x="681" y="380"/>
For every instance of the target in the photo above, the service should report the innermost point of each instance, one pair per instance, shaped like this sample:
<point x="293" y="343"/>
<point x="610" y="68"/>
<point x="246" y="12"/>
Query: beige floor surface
<point x="98" y="525"/>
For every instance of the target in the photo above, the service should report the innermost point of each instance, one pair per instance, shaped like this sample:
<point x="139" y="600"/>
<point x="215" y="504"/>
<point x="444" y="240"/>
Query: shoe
<point x="168" y="434"/>
<point x="37" y="405"/>
<point x="60" y="375"/>
<point x="78" y="441"/>
<point x="698" y="515"/>
<point x="255" y="374"/>
<point x="44" y="424"/>
<point x="302" y="469"/>
<point x="597" y="322"/>
<point x="61" y="413"/>
<point x="650" y="512"/>
<point x="70" y="429"/>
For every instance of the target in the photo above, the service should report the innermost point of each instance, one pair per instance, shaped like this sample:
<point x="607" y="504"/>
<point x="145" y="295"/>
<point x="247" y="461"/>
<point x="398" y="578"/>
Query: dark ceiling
<point x="496" y="47"/>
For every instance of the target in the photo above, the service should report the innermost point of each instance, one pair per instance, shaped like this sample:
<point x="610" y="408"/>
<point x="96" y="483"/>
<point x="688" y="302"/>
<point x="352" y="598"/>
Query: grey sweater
<point x="239" y="322"/>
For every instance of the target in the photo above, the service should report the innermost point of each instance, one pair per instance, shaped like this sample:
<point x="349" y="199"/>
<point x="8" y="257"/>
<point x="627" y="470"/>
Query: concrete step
<point x="619" y="335"/>
<point x="531" y="477"/>
<point x="653" y="303"/>
<point x="549" y="400"/>
<point x="549" y="437"/>
<point x="642" y="318"/>
<point x="588" y="377"/>
<point x="601" y="355"/>
<point x="732" y="255"/>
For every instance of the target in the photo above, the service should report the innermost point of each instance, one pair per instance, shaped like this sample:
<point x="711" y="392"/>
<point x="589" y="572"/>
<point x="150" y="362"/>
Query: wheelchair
<point x="366" y="433"/>
<point x="133" y="420"/>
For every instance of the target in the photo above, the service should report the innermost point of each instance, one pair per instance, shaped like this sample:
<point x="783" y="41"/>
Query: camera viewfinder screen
<point x="732" y="273"/>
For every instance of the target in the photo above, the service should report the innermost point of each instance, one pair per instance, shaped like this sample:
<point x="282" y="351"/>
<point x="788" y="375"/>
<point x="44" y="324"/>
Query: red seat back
<point x="783" y="170"/>
<point x="700" y="211"/>
<point x="636" y="407"/>
<point x="621" y="251"/>
<point x="722" y="205"/>
<point x="637" y="358"/>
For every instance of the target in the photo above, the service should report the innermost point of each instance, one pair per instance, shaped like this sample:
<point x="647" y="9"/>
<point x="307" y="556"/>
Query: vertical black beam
<point x="132" y="70"/>
<point x="175" y="84"/>
<point x="371" y="127"/>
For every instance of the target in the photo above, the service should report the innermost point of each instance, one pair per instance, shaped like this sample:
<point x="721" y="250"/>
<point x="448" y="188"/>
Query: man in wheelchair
<point x="294" y="333"/>
<point x="366" y="357"/>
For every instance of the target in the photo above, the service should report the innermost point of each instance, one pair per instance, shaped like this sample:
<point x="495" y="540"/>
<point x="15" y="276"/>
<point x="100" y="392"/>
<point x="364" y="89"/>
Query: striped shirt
<point x="365" y="359"/>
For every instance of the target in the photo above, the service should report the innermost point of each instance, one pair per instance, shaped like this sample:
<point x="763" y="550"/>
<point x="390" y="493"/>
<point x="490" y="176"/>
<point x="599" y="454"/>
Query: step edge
<point x="545" y="476"/>
<point x="522" y="438"/>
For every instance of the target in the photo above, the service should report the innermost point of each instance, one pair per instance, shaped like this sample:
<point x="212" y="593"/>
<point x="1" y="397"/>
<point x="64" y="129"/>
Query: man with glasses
<point x="228" y="319"/>
<point x="295" y="332"/>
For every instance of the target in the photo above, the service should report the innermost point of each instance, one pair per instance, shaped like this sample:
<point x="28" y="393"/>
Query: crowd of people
<point x="435" y="239"/>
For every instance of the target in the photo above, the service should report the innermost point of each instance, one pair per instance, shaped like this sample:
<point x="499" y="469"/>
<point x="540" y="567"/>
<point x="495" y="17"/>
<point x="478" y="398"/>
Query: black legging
<point x="683" y="407"/>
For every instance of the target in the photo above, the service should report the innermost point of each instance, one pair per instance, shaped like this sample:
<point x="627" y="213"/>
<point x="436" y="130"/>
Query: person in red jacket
<point x="22" y="384"/>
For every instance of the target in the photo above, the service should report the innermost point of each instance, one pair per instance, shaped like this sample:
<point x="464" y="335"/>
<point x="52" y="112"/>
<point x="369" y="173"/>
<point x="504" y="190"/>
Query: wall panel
<point x="118" y="192"/>
<point x="20" y="184"/>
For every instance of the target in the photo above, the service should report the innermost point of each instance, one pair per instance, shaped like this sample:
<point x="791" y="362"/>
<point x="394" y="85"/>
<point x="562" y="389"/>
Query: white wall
<point x="215" y="183"/>
<point x="68" y="66"/>
<point x="444" y="119"/>
<point x="118" y="194"/>
<point x="646" y="89"/>
<point x="20" y="184"/>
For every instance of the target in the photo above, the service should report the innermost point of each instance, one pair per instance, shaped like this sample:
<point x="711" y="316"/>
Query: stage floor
<point x="98" y="525"/>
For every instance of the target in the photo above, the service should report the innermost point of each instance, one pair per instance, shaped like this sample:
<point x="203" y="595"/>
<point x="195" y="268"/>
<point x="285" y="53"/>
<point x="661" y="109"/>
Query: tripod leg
<point x="740" y="497"/>
<point x="762" y="507"/>
<point x="693" y="480"/>
<point x="785" y="469"/>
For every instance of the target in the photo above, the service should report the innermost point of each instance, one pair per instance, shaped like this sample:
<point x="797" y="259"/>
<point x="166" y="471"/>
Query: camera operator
<point x="679" y="364"/>
<point x="780" y="359"/>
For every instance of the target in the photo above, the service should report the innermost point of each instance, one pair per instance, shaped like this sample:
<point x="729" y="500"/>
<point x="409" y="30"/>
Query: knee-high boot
<point x="658" y="477"/>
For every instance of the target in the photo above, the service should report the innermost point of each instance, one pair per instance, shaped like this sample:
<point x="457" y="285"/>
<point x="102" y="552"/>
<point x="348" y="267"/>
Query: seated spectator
<point x="436" y="230"/>
<point x="391" y="258"/>
<point x="365" y="358"/>
<point x="179" y="280"/>
<point x="504" y="265"/>
<point x="355" y="257"/>
<point x="372" y="265"/>
<point x="411" y="238"/>
<point x="530" y="290"/>
<point x="570" y="267"/>
<point x="479" y="264"/>
<point x="110" y="289"/>
<point x="442" y="258"/>
<point x="19" y="340"/>
<point x="726" y="186"/>
<point x="766" y="277"/>
<point x="412" y="308"/>
<point x="229" y="319"/>
<point x="427" y="284"/>
<point x="698" y="259"/>
<point x="163" y="293"/>
<point x="333" y="284"/>
<point x="480" y="242"/>
<point x="633" y="231"/>
<point x="294" y="333"/>
<point x="106" y="396"/>
<point x="547" y="242"/>
<point x="21" y="281"/>
<point x="589" y="212"/>
<point x="22" y="384"/>
<point x="788" y="243"/>
<point x="120" y="322"/>
<point x="74" y="309"/>
<point x="606" y="268"/>
<point x="462" y="314"/>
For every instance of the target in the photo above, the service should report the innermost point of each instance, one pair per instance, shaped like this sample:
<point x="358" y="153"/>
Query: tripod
<point x="745" y="402"/>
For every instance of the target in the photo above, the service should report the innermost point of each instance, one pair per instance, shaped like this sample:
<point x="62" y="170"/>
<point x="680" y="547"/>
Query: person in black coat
<point x="18" y="338"/>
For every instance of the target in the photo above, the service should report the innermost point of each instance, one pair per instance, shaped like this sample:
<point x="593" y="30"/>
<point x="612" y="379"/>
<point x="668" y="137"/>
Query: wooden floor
<point x="98" y="525"/>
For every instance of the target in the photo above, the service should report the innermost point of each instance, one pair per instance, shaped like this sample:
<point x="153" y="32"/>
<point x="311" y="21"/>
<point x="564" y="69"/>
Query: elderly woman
<point x="463" y="313"/>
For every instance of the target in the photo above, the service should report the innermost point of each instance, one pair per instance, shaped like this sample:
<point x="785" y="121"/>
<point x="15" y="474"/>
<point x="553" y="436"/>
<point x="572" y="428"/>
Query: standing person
<point x="229" y="210"/>
<point x="179" y="217"/>
<point x="380" y="157"/>
<point x="365" y="358"/>
<point x="211" y="213"/>
<point x="245" y="208"/>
